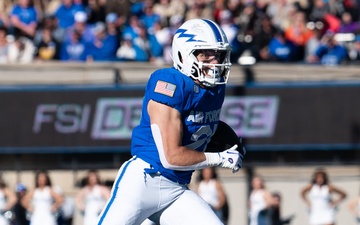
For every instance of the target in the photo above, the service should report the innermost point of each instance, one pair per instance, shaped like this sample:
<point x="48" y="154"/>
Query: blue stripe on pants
<point x="114" y="191"/>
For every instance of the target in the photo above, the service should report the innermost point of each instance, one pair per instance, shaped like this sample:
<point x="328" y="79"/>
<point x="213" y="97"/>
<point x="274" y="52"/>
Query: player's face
<point x="211" y="60"/>
<point x="211" y="56"/>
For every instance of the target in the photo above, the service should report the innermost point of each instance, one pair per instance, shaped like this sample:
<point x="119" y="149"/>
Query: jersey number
<point x="201" y="136"/>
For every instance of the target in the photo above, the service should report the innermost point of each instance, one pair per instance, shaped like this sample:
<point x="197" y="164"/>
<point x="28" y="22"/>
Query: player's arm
<point x="167" y="130"/>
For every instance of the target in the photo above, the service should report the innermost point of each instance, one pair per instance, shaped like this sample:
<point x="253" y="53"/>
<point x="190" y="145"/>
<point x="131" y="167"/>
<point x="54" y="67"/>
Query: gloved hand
<point x="231" y="158"/>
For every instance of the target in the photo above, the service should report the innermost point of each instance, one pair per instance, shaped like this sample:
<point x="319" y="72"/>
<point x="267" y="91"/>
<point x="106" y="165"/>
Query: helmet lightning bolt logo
<point x="191" y="37"/>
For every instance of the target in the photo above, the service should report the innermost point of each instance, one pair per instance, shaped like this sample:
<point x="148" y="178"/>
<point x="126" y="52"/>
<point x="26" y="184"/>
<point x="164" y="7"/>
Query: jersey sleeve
<point x="166" y="87"/>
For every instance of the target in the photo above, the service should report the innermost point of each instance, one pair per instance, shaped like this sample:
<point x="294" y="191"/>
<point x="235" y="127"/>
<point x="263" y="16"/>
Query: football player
<point x="180" y="114"/>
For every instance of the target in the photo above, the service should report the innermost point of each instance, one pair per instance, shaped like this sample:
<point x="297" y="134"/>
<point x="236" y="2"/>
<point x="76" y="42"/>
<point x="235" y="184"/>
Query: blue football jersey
<point x="200" y="113"/>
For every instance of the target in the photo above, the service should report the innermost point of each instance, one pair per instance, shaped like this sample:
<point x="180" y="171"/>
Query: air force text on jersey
<point x="115" y="118"/>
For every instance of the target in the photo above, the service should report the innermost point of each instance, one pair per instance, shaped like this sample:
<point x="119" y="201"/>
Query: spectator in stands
<point x="113" y="25"/>
<point x="4" y="45"/>
<point x="5" y="6"/>
<point x="48" y="48"/>
<point x="74" y="48"/>
<point x="92" y="198"/>
<point x="148" y="45"/>
<point x="329" y="52"/>
<point x="348" y="25"/>
<point x="24" y="18"/>
<point x="353" y="7"/>
<point x="121" y="8"/>
<point x="260" y="201"/>
<point x="299" y="34"/>
<point x="281" y="13"/>
<point x="354" y="50"/>
<point x="248" y="22"/>
<point x="7" y="201"/>
<point x="226" y="23"/>
<point x="262" y="37"/>
<point x="281" y="49"/>
<point x="66" y="12"/>
<point x="96" y="11"/>
<point x="318" y="28"/>
<point x="165" y="9"/>
<point x="132" y="27"/>
<point x="104" y="46"/>
<point x="322" y="10"/>
<point x="318" y="196"/>
<point x="43" y="202"/>
<point x="149" y="18"/>
<point x="199" y="9"/>
<point x="126" y="51"/>
<point x="19" y="209"/>
<point x="81" y="27"/>
<point x="57" y="33"/>
<point x="319" y="9"/>
<point x="21" y="50"/>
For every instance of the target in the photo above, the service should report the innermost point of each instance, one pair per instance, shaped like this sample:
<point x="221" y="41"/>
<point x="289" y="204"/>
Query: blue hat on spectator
<point x="20" y="187"/>
<point x="111" y="17"/>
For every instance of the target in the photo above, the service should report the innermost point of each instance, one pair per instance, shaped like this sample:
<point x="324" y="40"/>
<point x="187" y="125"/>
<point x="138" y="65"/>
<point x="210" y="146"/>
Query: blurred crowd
<point x="307" y="31"/>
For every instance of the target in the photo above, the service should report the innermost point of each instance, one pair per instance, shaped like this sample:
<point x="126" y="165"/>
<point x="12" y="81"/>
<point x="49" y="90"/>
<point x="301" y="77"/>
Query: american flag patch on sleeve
<point x="165" y="88"/>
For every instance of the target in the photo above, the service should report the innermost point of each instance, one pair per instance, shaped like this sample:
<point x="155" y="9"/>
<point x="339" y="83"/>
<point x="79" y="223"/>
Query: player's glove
<point x="230" y="158"/>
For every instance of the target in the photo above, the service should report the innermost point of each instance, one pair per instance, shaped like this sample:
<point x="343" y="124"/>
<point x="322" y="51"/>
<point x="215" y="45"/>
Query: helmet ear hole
<point x="180" y="57"/>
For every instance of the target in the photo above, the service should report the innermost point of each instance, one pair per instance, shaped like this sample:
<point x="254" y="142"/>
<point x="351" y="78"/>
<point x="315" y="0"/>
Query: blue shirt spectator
<point x="104" y="47"/>
<point x="148" y="44"/>
<point x="331" y="55"/>
<point x="149" y="18"/>
<point x="26" y="15"/>
<point x="23" y="17"/>
<point x="74" y="49"/>
<point x="66" y="13"/>
<point x="281" y="49"/>
<point x="81" y="27"/>
<point x="329" y="52"/>
<point x="132" y="28"/>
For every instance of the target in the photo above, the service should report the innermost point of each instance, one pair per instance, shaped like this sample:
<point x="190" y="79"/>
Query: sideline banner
<point x="69" y="119"/>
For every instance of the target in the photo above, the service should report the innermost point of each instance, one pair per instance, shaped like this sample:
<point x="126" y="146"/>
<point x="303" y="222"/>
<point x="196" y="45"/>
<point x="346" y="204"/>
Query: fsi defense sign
<point x="253" y="116"/>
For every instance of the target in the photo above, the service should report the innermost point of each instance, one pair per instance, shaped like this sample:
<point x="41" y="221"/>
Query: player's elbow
<point x="168" y="163"/>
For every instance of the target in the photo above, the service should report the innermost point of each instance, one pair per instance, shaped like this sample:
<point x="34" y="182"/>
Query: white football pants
<point x="137" y="195"/>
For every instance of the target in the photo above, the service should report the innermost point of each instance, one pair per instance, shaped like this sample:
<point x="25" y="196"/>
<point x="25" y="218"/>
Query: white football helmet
<point x="196" y="35"/>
